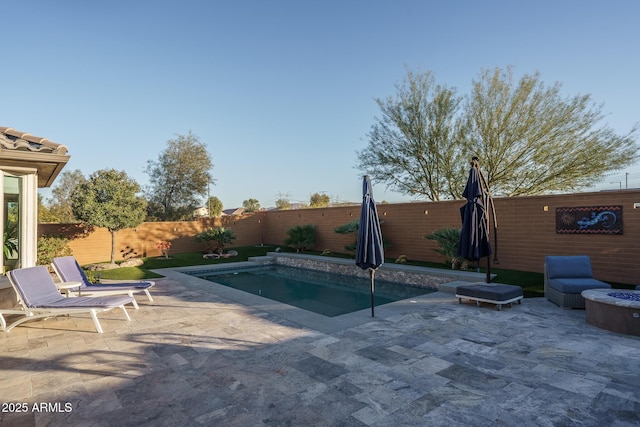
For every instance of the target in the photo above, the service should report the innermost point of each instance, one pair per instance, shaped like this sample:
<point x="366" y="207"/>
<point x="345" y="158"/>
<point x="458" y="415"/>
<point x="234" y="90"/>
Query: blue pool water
<point x="323" y="293"/>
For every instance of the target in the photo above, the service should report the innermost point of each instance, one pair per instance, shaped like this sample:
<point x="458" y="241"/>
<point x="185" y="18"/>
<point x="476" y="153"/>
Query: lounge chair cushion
<point x="37" y="290"/>
<point x="70" y="271"/>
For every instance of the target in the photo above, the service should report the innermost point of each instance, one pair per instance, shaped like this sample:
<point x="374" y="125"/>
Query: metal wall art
<point x="589" y="220"/>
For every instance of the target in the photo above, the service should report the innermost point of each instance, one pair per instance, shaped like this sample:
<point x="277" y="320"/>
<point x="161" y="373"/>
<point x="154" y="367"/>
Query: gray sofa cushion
<point x="568" y="266"/>
<point x="576" y="286"/>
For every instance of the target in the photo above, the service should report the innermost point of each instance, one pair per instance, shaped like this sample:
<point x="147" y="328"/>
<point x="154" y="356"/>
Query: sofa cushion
<point x="576" y="286"/>
<point x="490" y="291"/>
<point x="568" y="266"/>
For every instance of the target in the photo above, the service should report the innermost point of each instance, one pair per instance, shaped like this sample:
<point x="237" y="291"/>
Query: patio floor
<point x="203" y="354"/>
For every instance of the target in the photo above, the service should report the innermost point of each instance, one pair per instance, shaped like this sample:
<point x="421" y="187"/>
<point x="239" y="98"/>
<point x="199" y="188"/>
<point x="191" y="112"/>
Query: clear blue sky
<point x="282" y="92"/>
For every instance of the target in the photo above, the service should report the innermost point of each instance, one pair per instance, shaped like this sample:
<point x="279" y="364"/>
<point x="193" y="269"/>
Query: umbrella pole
<point x="488" y="269"/>
<point x="371" y="274"/>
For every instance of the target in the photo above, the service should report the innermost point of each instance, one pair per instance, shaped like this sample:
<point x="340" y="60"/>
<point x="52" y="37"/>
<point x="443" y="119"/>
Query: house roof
<point x="23" y="150"/>
<point x="234" y="211"/>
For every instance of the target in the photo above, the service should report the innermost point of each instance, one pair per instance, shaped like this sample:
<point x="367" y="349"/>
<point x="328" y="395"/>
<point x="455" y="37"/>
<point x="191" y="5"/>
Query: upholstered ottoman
<point x="493" y="293"/>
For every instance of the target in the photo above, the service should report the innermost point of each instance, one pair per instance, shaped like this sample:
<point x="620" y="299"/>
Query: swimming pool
<point x="328" y="294"/>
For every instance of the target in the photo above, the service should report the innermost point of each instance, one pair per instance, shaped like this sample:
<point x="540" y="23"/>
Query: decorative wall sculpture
<point x="589" y="220"/>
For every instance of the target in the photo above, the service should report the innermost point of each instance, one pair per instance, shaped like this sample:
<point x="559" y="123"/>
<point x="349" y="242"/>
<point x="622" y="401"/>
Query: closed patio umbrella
<point x="474" y="239"/>
<point x="369" y="250"/>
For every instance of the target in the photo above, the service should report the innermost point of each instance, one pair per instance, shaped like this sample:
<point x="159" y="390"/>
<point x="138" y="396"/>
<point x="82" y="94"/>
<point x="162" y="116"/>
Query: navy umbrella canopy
<point x="474" y="239"/>
<point x="369" y="250"/>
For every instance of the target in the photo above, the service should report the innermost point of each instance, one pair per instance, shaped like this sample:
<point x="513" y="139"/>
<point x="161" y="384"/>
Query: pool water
<point x="324" y="293"/>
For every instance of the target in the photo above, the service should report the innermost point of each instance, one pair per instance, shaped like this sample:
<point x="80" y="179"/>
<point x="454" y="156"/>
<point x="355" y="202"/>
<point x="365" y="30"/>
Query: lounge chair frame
<point x="86" y="288"/>
<point x="34" y="313"/>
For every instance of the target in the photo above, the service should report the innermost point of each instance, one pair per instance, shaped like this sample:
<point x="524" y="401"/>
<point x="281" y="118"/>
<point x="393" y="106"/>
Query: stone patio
<point x="204" y="354"/>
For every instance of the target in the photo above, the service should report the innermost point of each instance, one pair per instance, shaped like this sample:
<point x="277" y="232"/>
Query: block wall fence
<point x="526" y="232"/>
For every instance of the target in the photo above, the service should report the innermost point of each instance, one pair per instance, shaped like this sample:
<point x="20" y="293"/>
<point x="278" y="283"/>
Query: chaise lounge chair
<point x="39" y="297"/>
<point x="68" y="270"/>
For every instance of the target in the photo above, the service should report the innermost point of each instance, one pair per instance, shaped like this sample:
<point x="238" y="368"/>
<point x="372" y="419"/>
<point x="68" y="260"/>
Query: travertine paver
<point x="203" y="355"/>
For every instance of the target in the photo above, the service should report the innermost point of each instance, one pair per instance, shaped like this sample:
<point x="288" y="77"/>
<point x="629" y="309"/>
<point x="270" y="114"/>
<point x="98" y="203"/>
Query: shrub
<point x="222" y="236"/>
<point x="448" y="239"/>
<point x="348" y="228"/>
<point x="164" y="246"/>
<point x="50" y="247"/>
<point x="301" y="237"/>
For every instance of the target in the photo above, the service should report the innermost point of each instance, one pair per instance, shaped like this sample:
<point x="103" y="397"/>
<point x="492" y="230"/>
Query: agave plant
<point x="10" y="239"/>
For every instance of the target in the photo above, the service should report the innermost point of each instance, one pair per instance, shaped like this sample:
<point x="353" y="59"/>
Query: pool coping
<point x="306" y="318"/>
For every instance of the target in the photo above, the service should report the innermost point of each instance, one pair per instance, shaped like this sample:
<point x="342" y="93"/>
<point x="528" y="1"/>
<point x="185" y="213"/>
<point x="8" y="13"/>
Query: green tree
<point x="178" y="178"/>
<point x="283" y="204"/>
<point x="109" y="199"/>
<point x="318" y="200"/>
<point x="60" y="204"/>
<point x="251" y="205"/>
<point x="530" y="139"/>
<point x="45" y="215"/>
<point x="215" y="206"/>
<point x="415" y="147"/>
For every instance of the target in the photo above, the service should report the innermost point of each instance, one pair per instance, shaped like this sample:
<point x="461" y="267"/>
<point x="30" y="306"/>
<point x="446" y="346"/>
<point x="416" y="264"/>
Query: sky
<point x="282" y="93"/>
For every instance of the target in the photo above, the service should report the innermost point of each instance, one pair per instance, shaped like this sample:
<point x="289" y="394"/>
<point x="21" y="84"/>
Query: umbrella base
<point x="497" y="294"/>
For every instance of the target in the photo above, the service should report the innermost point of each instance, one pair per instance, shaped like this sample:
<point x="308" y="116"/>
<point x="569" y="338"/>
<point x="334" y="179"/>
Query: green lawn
<point x="532" y="283"/>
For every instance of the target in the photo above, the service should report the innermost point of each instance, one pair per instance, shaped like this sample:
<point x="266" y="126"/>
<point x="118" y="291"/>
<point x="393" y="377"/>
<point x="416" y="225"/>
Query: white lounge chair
<point x="39" y="298"/>
<point x="68" y="270"/>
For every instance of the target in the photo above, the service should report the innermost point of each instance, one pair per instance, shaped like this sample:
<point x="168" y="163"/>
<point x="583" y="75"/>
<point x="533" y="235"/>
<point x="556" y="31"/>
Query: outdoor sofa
<point x="565" y="277"/>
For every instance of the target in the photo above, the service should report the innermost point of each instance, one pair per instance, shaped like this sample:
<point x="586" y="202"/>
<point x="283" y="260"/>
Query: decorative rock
<point x="132" y="262"/>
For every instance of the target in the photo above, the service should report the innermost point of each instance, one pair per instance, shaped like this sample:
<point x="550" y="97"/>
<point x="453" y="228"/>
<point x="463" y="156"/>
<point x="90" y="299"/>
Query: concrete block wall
<point x="526" y="232"/>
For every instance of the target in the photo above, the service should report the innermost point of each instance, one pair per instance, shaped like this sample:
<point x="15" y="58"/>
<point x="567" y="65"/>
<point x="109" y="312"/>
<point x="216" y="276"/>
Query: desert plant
<point x="448" y="239"/>
<point x="301" y="237"/>
<point x="220" y="235"/>
<point x="348" y="228"/>
<point x="50" y="247"/>
<point x="10" y="246"/>
<point x="164" y="246"/>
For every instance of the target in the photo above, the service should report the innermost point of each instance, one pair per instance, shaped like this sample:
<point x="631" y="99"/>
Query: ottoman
<point x="493" y="293"/>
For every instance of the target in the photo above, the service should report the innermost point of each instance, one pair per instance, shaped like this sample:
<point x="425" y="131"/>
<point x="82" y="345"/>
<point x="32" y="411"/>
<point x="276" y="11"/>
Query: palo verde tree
<point x="532" y="140"/>
<point x="415" y="146"/>
<point x="529" y="138"/>
<point x="109" y="199"/>
<point x="319" y="200"/>
<point x="178" y="178"/>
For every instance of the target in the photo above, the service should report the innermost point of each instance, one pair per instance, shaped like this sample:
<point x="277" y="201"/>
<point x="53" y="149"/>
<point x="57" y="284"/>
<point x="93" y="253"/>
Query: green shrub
<point x="448" y="239"/>
<point x="220" y="235"/>
<point x="348" y="228"/>
<point x="50" y="247"/>
<point x="301" y="237"/>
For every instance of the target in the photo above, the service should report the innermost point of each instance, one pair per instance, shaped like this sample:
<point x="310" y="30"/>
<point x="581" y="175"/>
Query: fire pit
<point x="614" y="310"/>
